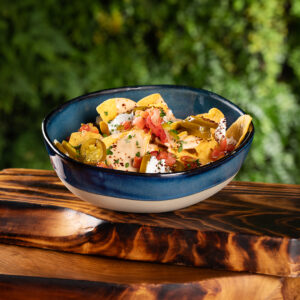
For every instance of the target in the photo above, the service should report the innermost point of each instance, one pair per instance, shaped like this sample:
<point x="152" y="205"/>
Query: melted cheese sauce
<point x="126" y="148"/>
<point x="124" y="105"/>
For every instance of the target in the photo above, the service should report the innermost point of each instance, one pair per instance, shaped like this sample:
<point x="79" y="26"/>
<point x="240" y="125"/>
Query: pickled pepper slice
<point x="144" y="163"/>
<point x="93" y="151"/>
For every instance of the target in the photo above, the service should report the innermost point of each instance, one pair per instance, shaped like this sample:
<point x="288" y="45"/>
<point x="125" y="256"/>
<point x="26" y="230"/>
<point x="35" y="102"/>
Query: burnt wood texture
<point x="252" y="227"/>
<point x="35" y="274"/>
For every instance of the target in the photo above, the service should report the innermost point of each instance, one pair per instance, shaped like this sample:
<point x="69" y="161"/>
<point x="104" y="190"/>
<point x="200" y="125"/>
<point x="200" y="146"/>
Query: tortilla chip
<point x="239" y="129"/>
<point x="153" y="100"/>
<point x="124" y="105"/>
<point x="78" y="138"/>
<point x="107" y="110"/>
<point x="183" y="153"/>
<point x="109" y="140"/>
<point x="134" y="142"/>
<point x="204" y="150"/>
<point x="110" y="108"/>
<point x="213" y="114"/>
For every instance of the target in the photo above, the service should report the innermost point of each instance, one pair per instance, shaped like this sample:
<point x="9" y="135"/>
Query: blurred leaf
<point x="247" y="51"/>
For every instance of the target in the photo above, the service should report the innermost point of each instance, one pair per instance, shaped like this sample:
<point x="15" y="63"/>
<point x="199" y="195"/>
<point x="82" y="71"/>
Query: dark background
<point x="246" y="51"/>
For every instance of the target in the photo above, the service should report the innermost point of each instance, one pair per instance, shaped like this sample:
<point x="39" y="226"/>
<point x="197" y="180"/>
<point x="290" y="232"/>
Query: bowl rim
<point x="248" y="138"/>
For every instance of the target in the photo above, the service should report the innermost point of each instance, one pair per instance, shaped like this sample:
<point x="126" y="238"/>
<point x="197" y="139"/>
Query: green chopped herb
<point x="106" y="113"/>
<point x="104" y="135"/>
<point x="138" y="154"/>
<point x="180" y="148"/>
<point x="137" y="144"/>
<point x="174" y="134"/>
<point x="162" y="113"/>
<point x="106" y="162"/>
<point x="116" y="161"/>
<point x="108" y="151"/>
<point x="175" y="131"/>
<point x="127" y="165"/>
<point x="169" y="122"/>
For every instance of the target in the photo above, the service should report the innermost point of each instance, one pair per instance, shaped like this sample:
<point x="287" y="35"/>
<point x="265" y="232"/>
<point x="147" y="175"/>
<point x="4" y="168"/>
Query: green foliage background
<point x="247" y="51"/>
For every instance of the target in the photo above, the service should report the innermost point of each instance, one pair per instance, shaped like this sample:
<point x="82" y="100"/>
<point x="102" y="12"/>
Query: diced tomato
<point x="163" y="136"/>
<point x="169" y="158"/>
<point x="151" y="120"/>
<point x="189" y="162"/>
<point x="216" y="153"/>
<point x="223" y="145"/>
<point x="144" y="114"/>
<point x="137" y="162"/>
<point x="104" y="165"/>
<point x="84" y="127"/>
<point x="154" y="153"/>
<point x="230" y="147"/>
<point x="155" y="117"/>
<point x="139" y="122"/>
<point x="156" y="129"/>
<point x="88" y="127"/>
<point x="162" y="155"/>
<point x="221" y="149"/>
<point x="127" y="125"/>
<point x="187" y="159"/>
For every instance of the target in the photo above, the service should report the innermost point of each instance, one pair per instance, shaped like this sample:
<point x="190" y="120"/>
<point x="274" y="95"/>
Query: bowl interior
<point x="183" y="101"/>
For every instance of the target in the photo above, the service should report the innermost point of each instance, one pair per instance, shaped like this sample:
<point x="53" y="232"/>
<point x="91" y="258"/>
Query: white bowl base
<point x="145" y="206"/>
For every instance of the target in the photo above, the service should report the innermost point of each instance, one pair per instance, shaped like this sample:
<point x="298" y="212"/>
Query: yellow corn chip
<point x="213" y="114"/>
<point x="239" y="129"/>
<point x="135" y="142"/>
<point x="204" y="150"/>
<point x="109" y="140"/>
<point x="110" y="108"/>
<point x="107" y="110"/>
<point x="78" y="138"/>
<point x="155" y="100"/>
<point x="183" y="153"/>
<point x="183" y="134"/>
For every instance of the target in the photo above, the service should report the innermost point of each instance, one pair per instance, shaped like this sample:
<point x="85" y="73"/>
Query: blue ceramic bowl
<point x="139" y="192"/>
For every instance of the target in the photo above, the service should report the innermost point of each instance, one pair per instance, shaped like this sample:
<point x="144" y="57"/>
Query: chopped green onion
<point x="162" y="113"/>
<point x="180" y="148"/>
<point x="108" y="151"/>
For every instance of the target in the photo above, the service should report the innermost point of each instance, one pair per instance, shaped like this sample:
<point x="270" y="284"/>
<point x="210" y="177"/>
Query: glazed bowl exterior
<point x="139" y="192"/>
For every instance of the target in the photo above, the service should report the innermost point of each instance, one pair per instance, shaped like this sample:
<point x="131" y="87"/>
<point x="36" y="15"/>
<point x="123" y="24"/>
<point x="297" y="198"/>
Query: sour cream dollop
<point x="157" y="166"/>
<point x="117" y="121"/>
<point x="220" y="132"/>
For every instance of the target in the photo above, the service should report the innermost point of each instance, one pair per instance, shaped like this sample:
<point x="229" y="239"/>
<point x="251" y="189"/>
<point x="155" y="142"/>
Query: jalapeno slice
<point x="104" y="128"/>
<point x="144" y="163"/>
<point x="93" y="151"/>
<point x="199" y="120"/>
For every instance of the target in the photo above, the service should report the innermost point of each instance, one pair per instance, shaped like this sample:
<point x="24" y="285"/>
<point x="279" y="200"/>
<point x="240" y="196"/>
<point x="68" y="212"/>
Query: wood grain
<point x="246" y="227"/>
<point x="29" y="273"/>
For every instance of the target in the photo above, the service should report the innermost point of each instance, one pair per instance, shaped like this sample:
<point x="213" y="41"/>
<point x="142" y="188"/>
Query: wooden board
<point x="251" y="227"/>
<point x="35" y="274"/>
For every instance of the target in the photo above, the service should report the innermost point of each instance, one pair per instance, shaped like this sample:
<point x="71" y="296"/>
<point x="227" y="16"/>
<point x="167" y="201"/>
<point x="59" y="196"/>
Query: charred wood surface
<point x="252" y="227"/>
